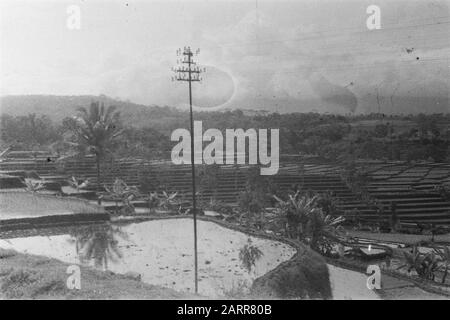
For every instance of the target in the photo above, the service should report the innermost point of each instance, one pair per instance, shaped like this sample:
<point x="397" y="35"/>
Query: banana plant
<point x="444" y="256"/>
<point x="295" y="212"/>
<point x="425" y="265"/>
<point x="120" y="191"/>
<point x="431" y="265"/>
<point x="323" y="230"/>
<point x="33" y="185"/>
<point x="152" y="200"/>
<point x="167" y="201"/>
<point x="412" y="259"/>
<point x="76" y="184"/>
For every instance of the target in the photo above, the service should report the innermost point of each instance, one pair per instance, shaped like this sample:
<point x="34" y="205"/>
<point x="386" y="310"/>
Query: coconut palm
<point x="95" y="131"/>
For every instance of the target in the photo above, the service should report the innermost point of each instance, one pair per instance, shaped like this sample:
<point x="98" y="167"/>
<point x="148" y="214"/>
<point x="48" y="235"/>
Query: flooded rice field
<point x="161" y="252"/>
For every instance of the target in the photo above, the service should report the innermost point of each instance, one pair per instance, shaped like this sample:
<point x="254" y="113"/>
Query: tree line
<point x="328" y="136"/>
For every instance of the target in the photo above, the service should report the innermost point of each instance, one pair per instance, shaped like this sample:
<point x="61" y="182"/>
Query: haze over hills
<point x="58" y="107"/>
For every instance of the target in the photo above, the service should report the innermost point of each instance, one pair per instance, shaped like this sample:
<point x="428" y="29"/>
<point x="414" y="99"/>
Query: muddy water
<point x="161" y="252"/>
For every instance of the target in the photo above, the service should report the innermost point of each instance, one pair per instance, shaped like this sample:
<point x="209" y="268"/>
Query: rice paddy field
<point x="17" y="204"/>
<point x="161" y="251"/>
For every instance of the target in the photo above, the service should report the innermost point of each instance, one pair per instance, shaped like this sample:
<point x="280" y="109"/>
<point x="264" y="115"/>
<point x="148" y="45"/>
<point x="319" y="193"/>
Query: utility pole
<point x="190" y="73"/>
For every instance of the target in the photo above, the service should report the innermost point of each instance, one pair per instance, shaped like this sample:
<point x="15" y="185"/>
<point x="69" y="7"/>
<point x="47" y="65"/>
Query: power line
<point x="321" y="36"/>
<point x="190" y="72"/>
<point x="351" y="50"/>
<point x="349" y="66"/>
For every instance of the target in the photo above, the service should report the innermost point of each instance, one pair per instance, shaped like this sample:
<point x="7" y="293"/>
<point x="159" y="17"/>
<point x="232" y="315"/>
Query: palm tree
<point x="95" y="131"/>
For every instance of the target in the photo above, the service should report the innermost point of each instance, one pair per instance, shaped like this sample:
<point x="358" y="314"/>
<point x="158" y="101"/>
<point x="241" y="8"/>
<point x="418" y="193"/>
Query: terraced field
<point x="411" y="187"/>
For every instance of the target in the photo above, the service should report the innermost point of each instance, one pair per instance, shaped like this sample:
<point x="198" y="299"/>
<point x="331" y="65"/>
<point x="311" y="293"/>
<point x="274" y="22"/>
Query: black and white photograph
<point x="243" y="151"/>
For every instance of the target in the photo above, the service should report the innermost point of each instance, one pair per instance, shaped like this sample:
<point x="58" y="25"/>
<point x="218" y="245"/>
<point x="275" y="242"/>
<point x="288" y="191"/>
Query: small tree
<point x="394" y="217"/>
<point x="249" y="254"/>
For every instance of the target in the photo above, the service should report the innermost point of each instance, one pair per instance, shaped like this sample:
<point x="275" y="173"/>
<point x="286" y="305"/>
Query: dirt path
<point x="397" y="289"/>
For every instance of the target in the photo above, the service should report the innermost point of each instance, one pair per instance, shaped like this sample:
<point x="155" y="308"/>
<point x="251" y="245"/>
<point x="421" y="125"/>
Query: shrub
<point x="328" y="203"/>
<point x="444" y="256"/>
<point x="425" y="265"/>
<point x="294" y="213"/>
<point x="249" y="254"/>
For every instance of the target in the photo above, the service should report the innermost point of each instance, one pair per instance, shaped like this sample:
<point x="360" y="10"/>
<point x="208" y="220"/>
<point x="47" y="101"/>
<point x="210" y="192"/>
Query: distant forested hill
<point x="36" y="122"/>
<point x="59" y="107"/>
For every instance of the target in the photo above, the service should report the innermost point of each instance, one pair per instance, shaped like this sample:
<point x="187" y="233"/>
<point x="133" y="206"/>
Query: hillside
<point x="165" y="119"/>
<point x="59" y="107"/>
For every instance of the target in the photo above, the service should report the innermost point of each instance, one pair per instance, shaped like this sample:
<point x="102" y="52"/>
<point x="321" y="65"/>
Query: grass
<point x="239" y="290"/>
<point x="22" y="282"/>
<point x="25" y="276"/>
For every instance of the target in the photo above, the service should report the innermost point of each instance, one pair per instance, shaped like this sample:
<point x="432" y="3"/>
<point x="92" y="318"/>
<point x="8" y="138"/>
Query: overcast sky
<point x="272" y="55"/>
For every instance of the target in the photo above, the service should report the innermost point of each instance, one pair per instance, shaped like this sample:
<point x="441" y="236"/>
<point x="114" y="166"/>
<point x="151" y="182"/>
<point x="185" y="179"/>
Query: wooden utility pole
<point x="190" y="73"/>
